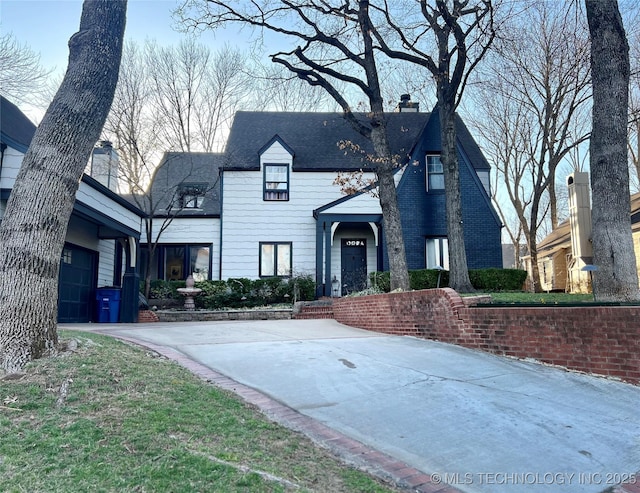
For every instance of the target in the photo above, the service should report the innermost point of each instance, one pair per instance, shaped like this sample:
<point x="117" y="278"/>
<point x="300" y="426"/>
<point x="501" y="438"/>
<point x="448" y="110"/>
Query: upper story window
<point x="435" y="173"/>
<point x="276" y="182"/>
<point x="191" y="195"/>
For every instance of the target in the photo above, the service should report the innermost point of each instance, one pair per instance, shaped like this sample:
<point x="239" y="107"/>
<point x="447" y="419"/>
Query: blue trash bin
<point x="108" y="304"/>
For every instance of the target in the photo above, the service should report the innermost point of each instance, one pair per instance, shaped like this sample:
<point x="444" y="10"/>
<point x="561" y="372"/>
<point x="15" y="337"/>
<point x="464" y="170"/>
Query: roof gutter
<point x="3" y="147"/>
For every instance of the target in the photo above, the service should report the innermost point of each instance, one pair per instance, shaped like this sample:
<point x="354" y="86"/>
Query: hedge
<point x="481" y="279"/>
<point x="239" y="292"/>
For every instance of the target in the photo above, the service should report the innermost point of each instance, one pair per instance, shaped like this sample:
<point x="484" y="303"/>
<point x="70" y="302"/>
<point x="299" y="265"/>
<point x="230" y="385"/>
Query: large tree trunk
<point x="34" y="227"/>
<point x="399" y="275"/>
<point x="458" y="272"/>
<point x="616" y="278"/>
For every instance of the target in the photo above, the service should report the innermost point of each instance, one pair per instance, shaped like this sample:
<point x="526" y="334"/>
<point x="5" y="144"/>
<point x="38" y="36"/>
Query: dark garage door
<point x="76" y="285"/>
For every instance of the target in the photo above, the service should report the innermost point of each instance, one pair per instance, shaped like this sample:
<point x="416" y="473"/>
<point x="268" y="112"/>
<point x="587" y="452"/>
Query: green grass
<point x="541" y="298"/>
<point x="131" y="421"/>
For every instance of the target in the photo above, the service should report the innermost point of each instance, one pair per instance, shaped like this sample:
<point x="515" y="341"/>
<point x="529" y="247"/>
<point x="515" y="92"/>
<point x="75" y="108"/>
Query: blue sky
<point x="47" y="25"/>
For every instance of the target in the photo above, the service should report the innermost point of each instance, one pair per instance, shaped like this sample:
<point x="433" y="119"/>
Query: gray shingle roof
<point x="314" y="137"/>
<point x="180" y="168"/>
<point x="16" y="130"/>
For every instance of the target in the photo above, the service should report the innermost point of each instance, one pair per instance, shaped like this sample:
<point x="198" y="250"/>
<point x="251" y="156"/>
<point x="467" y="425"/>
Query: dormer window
<point x="276" y="182"/>
<point x="191" y="195"/>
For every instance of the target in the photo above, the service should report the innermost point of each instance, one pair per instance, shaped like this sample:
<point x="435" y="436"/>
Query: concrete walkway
<point x="475" y="421"/>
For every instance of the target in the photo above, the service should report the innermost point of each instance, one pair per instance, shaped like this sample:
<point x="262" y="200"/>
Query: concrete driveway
<point x="478" y="422"/>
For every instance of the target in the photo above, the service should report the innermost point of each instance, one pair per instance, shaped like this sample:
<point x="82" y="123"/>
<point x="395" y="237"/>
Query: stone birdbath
<point x="189" y="293"/>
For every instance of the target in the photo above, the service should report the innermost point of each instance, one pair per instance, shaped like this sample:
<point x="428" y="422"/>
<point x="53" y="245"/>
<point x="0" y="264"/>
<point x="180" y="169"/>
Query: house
<point x="563" y="254"/>
<point x="281" y="212"/>
<point x="101" y="247"/>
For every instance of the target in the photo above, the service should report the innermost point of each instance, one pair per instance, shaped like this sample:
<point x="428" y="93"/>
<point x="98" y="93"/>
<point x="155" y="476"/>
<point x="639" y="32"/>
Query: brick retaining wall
<point x="601" y="340"/>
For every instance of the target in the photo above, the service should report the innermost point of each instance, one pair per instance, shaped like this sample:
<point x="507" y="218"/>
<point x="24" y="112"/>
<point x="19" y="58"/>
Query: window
<point x="181" y="260"/>
<point x="435" y="174"/>
<point x="191" y="195"/>
<point x="275" y="259"/>
<point x="67" y="257"/>
<point x="276" y="182"/>
<point x="437" y="252"/>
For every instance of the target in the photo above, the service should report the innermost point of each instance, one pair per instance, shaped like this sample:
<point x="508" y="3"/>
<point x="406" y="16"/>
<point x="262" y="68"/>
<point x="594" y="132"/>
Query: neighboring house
<point x="282" y="214"/>
<point x="101" y="247"/>
<point x="564" y="253"/>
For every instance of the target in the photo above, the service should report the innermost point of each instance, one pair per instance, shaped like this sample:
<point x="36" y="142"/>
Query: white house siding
<point x="96" y="200"/>
<point x="248" y="220"/>
<point x="364" y="203"/>
<point x="194" y="230"/>
<point x="106" y="262"/>
<point x="11" y="162"/>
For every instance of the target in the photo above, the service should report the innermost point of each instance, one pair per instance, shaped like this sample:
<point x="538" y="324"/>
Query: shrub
<point x="428" y="278"/>
<point x="481" y="279"/>
<point x="240" y="292"/>
<point x="164" y="290"/>
<point x="381" y="281"/>
<point x="497" y="279"/>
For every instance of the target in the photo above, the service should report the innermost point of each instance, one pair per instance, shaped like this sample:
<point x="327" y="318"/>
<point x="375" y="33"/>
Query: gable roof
<point x="470" y="146"/>
<point x="16" y="130"/>
<point x="313" y="138"/>
<point x="177" y="168"/>
<point x="559" y="238"/>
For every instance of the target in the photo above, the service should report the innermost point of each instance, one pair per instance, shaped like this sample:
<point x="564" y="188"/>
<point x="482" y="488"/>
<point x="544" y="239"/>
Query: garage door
<point x="76" y="286"/>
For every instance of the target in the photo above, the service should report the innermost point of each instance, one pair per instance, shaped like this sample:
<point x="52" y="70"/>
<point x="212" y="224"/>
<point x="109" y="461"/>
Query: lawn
<point x="542" y="298"/>
<point x="105" y="416"/>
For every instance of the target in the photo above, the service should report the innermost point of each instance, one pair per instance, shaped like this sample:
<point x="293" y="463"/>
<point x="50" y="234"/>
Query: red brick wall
<point x="601" y="340"/>
<point x="146" y="316"/>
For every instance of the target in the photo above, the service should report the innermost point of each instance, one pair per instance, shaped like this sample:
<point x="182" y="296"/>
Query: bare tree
<point x="336" y="48"/>
<point x="132" y="126"/>
<point x="613" y="252"/>
<point x="195" y="93"/>
<point x="634" y="109"/>
<point x="448" y="39"/>
<point x="22" y="76"/>
<point x="531" y="109"/>
<point x="276" y="89"/>
<point x="187" y="112"/>
<point x="34" y="226"/>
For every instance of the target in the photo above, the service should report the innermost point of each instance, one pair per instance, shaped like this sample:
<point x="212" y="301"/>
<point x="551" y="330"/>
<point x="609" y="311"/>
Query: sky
<point x="46" y="26"/>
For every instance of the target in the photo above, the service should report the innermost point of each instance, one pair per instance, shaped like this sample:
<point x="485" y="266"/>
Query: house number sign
<point x="354" y="243"/>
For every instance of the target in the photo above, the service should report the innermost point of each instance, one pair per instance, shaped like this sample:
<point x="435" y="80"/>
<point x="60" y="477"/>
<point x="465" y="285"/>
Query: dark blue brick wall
<point x="423" y="213"/>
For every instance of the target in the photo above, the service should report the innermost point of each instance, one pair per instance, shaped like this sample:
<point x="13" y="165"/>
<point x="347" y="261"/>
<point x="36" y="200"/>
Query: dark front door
<point x="76" y="285"/>
<point x="354" y="265"/>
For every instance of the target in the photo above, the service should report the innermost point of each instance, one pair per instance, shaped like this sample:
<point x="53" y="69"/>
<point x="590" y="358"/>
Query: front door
<point x="354" y="265"/>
